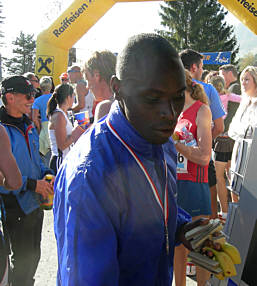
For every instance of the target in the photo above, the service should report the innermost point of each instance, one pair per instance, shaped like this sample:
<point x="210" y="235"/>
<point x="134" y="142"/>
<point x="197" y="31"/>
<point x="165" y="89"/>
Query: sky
<point x="110" y="32"/>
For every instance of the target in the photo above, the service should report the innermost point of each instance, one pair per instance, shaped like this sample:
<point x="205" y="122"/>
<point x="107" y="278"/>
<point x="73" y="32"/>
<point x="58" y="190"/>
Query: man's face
<point x="34" y="81"/>
<point x="226" y="76"/>
<point x="198" y="70"/>
<point x="153" y="104"/>
<point x="93" y="83"/>
<point x="20" y="104"/>
<point x="74" y="75"/>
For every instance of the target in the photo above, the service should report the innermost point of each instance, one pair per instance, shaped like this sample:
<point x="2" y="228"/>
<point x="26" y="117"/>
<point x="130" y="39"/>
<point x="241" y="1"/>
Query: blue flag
<point x="216" y="58"/>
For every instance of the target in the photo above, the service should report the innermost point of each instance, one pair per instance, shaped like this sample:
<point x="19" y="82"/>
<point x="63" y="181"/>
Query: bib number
<point x="181" y="164"/>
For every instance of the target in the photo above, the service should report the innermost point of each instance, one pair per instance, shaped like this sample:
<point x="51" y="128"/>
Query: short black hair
<point x="190" y="57"/>
<point x="133" y="61"/>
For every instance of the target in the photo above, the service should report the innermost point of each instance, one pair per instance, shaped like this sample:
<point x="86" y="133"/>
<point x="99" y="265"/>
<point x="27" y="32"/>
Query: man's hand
<point x="188" y="226"/>
<point x="1" y="179"/>
<point x="44" y="188"/>
<point x="81" y="89"/>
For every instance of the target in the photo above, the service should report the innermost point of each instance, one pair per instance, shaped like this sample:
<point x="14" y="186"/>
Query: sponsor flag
<point x="216" y="58"/>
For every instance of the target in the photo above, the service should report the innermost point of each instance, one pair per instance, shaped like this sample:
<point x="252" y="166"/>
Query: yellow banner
<point x="245" y="11"/>
<point x="53" y="44"/>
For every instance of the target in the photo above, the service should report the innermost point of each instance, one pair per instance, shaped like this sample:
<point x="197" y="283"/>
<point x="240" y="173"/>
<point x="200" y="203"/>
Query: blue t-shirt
<point x="217" y="109"/>
<point x="41" y="104"/>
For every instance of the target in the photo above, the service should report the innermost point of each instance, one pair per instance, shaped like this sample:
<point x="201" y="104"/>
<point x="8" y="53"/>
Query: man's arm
<point x="35" y="119"/>
<point x="10" y="176"/>
<point x="81" y="91"/>
<point x="218" y="127"/>
<point x="89" y="232"/>
<point x="217" y="111"/>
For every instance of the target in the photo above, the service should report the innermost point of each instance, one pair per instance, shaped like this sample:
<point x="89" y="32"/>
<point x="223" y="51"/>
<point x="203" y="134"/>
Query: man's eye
<point x="179" y="100"/>
<point x="152" y="99"/>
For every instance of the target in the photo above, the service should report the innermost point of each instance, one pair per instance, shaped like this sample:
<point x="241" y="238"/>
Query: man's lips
<point x="165" y="131"/>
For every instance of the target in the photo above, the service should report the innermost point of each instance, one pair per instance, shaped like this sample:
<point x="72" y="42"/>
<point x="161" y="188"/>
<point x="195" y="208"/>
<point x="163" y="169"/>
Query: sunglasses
<point x="28" y="95"/>
<point x="34" y="80"/>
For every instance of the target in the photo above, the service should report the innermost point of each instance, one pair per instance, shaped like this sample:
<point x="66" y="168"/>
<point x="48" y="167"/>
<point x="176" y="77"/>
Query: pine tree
<point x="199" y="25"/>
<point x="24" y="55"/>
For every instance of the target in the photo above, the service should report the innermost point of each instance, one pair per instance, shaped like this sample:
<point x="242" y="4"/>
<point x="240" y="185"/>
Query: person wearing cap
<point x="24" y="217"/>
<point x="64" y="77"/>
<point x="34" y="81"/>
<point x="84" y="97"/>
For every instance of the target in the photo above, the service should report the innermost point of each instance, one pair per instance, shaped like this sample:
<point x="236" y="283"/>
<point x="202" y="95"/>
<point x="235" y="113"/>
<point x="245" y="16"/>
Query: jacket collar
<point x="7" y="119"/>
<point x="129" y="134"/>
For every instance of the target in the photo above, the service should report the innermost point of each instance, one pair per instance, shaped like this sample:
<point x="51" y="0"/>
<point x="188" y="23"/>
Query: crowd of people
<point x="150" y="166"/>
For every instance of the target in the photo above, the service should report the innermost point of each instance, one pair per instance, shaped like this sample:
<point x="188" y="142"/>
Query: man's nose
<point x="167" y="111"/>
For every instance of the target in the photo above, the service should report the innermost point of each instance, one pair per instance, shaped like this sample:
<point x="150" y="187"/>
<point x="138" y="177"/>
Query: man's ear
<point x="115" y="87"/>
<point x="193" y="68"/>
<point x="9" y="97"/>
<point x="97" y="76"/>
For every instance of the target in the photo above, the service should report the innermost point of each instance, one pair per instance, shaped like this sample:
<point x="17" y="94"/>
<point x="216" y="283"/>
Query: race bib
<point x="181" y="164"/>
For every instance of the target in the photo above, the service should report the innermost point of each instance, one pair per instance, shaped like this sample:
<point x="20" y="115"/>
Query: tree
<point x="24" y="55"/>
<point x="248" y="60"/>
<point x="199" y="25"/>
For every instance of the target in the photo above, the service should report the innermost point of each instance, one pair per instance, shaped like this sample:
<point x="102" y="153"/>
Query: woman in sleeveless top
<point x="223" y="145"/>
<point x="61" y="132"/>
<point x="193" y="141"/>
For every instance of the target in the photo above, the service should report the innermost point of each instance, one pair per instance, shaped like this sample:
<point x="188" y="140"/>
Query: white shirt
<point x="52" y="137"/>
<point x="89" y="102"/>
<point x="246" y="116"/>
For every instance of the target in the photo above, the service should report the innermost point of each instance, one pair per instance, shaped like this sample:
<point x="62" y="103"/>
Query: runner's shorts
<point x="194" y="197"/>
<point x="222" y="156"/>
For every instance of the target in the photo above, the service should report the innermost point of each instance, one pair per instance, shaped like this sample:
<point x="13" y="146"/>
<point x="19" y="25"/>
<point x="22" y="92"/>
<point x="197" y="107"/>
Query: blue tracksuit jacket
<point x="108" y="224"/>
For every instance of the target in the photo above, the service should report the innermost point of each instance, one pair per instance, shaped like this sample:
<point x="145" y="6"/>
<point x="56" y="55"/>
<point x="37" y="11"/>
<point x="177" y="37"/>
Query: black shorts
<point x="212" y="174"/>
<point x="55" y="163"/>
<point x="222" y="156"/>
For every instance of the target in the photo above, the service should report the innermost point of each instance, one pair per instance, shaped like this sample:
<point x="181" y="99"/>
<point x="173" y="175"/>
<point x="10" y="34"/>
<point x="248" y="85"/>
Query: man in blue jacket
<point x="23" y="215"/>
<point x="115" y="213"/>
